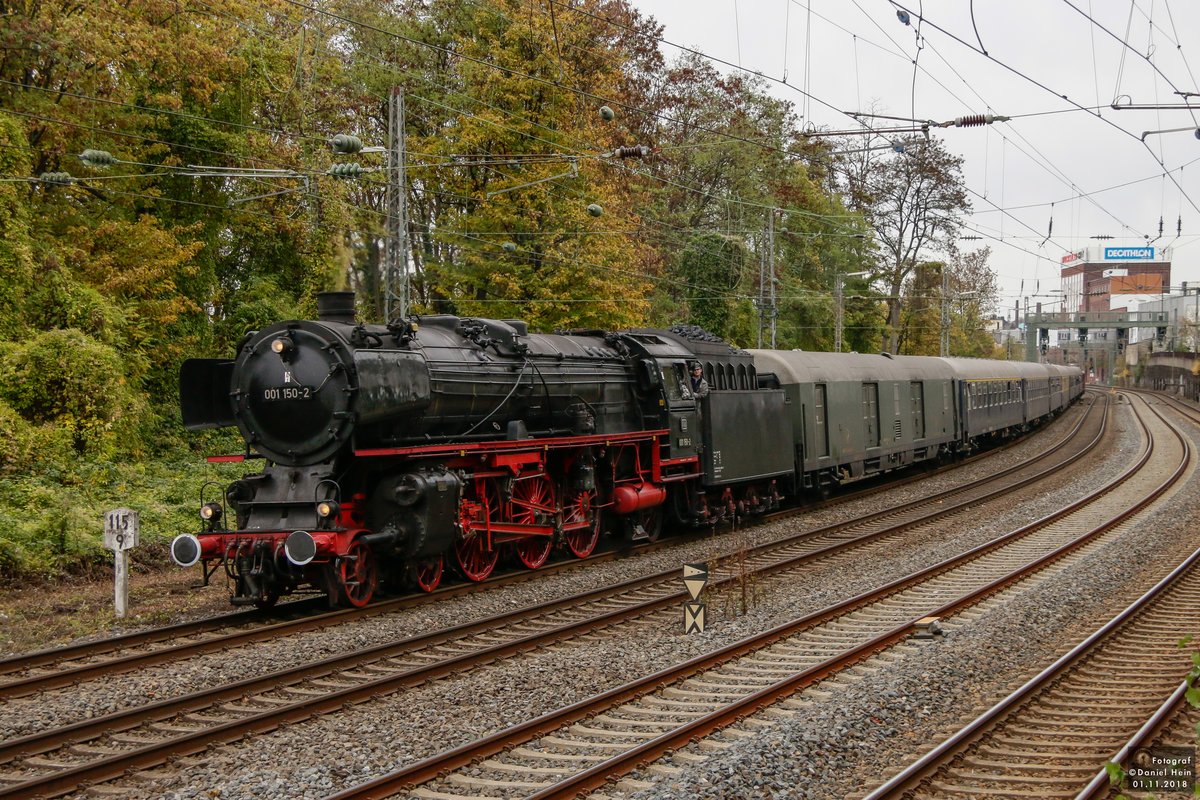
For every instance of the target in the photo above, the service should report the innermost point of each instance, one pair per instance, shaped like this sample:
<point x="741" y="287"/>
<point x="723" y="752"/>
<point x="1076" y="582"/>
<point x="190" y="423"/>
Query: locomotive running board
<point x="555" y="442"/>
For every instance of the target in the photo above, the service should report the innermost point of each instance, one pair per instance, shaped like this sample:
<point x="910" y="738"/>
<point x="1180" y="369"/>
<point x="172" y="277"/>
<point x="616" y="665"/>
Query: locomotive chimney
<point x="335" y="307"/>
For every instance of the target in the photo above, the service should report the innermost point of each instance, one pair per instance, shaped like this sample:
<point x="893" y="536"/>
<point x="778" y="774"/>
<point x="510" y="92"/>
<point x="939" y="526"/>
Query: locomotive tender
<point x="392" y="451"/>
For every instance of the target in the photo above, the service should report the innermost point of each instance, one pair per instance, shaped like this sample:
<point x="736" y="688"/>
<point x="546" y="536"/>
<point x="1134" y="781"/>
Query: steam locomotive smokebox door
<point x="747" y="435"/>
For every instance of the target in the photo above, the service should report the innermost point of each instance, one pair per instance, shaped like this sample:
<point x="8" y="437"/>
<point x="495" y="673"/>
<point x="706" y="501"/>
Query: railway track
<point x="1173" y="724"/>
<point x="53" y="668"/>
<point x="56" y="761"/>
<point x="1048" y="738"/>
<point x="67" y="666"/>
<point x="581" y="747"/>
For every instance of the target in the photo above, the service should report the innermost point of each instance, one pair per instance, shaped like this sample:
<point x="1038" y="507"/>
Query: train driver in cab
<point x="699" y="385"/>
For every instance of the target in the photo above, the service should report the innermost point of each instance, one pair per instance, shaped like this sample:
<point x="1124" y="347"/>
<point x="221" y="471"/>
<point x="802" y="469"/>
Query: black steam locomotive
<point x="392" y="450"/>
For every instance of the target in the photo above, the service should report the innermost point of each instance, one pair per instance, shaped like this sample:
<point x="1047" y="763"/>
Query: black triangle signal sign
<point x="695" y="576"/>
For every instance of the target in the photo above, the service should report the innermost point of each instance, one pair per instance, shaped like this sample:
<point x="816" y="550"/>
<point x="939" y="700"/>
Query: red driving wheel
<point x="582" y="540"/>
<point x="357" y="577"/>
<point x="429" y="573"/>
<point x="532" y="504"/>
<point x="475" y="560"/>
<point x="473" y="557"/>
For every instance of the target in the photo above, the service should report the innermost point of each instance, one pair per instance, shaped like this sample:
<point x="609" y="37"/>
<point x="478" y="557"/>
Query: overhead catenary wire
<point x="1046" y="88"/>
<point x="1044" y="163"/>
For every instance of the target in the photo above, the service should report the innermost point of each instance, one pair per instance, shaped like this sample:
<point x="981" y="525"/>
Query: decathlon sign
<point x="1129" y="254"/>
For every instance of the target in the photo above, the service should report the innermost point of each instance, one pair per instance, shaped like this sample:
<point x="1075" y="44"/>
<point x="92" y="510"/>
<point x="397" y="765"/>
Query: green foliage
<point x="1193" y="691"/>
<point x="66" y="378"/>
<point x="16" y="250"/>
<point x="261" y="303"/>
<point x="51" y="518"/>
<point x="708" y="270"/>
<point x="24" y="444"/>
<point x="60" y="300"/>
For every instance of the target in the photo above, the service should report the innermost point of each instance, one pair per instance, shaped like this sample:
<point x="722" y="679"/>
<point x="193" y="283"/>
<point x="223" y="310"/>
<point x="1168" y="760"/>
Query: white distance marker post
<point x="121" y="528"/>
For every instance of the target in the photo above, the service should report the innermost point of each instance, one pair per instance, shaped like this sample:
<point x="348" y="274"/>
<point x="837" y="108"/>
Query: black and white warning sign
<point x="695" y="576"/>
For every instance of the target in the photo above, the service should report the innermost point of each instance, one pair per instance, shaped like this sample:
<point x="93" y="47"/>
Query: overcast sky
<point x="1093" y="165"/>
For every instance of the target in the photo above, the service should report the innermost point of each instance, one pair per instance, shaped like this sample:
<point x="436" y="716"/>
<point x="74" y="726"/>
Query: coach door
<point x="917" y="396"/>
<point x="820" y="439"/>
<point x="870" y="394"/>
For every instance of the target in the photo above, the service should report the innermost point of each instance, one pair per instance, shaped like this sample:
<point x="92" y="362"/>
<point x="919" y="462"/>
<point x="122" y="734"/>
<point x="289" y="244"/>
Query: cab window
<point x="675" y="382"/>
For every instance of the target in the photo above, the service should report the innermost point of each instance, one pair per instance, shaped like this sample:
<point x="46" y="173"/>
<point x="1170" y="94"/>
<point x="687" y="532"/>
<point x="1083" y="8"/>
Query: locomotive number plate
<point x="292" y="392"/>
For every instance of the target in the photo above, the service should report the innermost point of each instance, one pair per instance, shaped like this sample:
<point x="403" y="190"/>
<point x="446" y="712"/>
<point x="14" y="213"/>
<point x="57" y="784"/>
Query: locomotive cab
<point x="667" y="399"/>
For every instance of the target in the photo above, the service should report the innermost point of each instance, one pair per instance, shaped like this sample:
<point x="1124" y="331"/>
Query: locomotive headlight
<point x="210" y="512"/>
<point x="282" y="347"/>
<point x="327" y="509"/>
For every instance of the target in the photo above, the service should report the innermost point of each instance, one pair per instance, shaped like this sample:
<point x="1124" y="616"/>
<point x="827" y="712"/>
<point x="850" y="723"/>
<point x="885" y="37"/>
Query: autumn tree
<point x="729" y="156"/>
<point x="974" y="286"/>
<point x="914" y="199"/>
<point x="952" y="298"/>
<point x="16" y="246"/>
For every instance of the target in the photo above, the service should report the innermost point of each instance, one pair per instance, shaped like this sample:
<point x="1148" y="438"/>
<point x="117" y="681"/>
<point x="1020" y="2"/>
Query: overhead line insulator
<point x="346" y="144"/>
<point x="348" y="170"/>
<point x="632" y="151"/>
<point x="97" y="158"/>
<point x="974" y="120"/>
